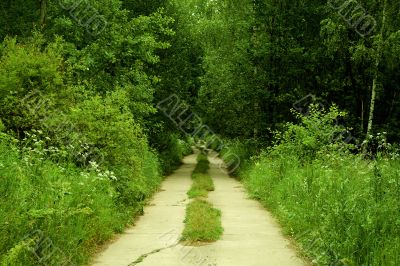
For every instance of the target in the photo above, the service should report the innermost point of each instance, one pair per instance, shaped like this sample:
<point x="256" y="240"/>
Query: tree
<point x="376" y="72"/>
<point x="43" y="12"/>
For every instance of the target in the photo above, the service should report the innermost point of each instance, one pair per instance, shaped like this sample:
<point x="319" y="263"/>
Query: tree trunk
<point x="376" y="74"/>
<point x="372" y="105"/>
<point x="43" y="13"/>
<point x="362" y="115"/>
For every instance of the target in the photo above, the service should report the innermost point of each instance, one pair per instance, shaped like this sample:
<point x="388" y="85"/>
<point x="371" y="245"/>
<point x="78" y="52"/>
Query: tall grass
<point x="340" y="207"/>
<point x="74" y="210"/>
<point x="348" y="205"/>
<point x="243" y="150"/>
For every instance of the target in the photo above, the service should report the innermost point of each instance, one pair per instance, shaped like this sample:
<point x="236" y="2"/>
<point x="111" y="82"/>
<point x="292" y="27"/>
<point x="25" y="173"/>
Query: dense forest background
<point x="83" y="145"/>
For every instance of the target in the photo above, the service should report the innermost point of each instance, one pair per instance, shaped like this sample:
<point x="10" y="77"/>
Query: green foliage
<point x="26" y="72"/>
<point x="142" y="7"/>
<point x="27" y="67"/>
<point x="74" y="208"/>
<point x="240" y="151"/>
<point x="172" y="150"/>
<point x="255" y="68"/>
<point x="107" y="124"/>
<point x="337" y="205"/>
<point x="27" y="12"/>
<point x="80" y="136"/>
<point x="224" y="32"/>
<point x="77" y="209"/>
<point x="318" y="131"/>
<point x="73" y="133"/>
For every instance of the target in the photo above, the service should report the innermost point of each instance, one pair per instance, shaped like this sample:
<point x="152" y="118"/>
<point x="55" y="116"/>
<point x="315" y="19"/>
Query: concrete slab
<point x="251" y="235"/>
<point x="161" y="225"/>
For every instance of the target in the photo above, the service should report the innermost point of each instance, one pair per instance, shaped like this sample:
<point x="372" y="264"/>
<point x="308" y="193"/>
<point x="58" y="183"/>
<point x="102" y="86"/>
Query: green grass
<point x="74" y="210"/>
<point x="202" y="181"/>
<point x="341" y="208"/>
<point x="202" y="222"/>
<point x="202" y="184"/>
<point x="337" y="207"/>
<point x="202" y="164"/>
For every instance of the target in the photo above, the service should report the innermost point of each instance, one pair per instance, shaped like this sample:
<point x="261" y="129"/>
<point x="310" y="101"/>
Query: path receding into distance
<point x="251" y="236"/>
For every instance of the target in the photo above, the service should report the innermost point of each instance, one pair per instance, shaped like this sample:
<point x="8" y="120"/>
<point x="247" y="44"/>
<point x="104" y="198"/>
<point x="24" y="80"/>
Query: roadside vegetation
<point x="334" y="189"/>
<point x="82" y="146"/>
<point x="202" y="221"/>
<point x="74" y="209"/>
<point x="341" y="207"/>
<point x="48" y="194"/>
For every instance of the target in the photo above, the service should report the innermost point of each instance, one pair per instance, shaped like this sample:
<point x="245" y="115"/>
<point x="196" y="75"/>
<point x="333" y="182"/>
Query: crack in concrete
<point x="143" y="256"/>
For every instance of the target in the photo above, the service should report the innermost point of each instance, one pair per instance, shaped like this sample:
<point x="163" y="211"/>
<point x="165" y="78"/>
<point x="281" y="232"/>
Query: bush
<point x="238" y="153"/>
<point x="171" y="152"/>
<point x="75" y="163"/>
<point x="318" y="131"/>
<point x="77" y="188"/>
<point x="27" y="71"/>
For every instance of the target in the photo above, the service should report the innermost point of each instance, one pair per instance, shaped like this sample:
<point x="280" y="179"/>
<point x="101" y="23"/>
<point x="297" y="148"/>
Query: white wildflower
<point x="113" y="177"/>
<point x="94" y="165"/>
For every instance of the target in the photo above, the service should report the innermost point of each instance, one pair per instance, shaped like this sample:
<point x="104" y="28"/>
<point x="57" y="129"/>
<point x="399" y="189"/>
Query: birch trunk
<point x="376" y="75"/>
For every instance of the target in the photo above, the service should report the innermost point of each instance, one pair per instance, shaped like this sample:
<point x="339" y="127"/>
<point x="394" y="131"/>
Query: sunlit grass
<point x="202" y="222"/>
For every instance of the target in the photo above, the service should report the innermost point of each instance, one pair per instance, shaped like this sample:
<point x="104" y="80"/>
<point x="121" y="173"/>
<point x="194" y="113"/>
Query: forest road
<point x="251" y="235"/>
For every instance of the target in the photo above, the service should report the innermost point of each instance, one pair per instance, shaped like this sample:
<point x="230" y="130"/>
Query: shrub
<point x="317" y="131"/>
<point x="25" y="72"/>
<point x="172" y="149"/>
<point x="77" y="188"/>
<point x="238" y="153"/>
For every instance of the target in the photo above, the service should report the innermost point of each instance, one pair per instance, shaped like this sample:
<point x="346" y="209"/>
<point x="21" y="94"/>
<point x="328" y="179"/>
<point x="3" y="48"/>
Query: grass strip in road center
<point x="202" y="181"/>
<point x="202" y="164"/>
<point x="203" y="221"/>
<point x="202" y="184"/>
